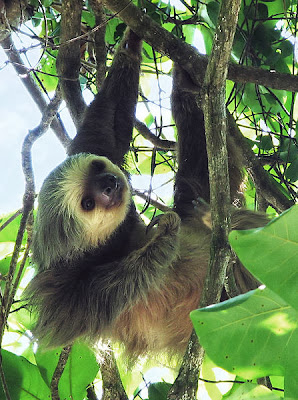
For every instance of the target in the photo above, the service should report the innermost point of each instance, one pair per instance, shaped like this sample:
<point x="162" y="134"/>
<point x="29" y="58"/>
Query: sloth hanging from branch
<point x="102" y="273"/>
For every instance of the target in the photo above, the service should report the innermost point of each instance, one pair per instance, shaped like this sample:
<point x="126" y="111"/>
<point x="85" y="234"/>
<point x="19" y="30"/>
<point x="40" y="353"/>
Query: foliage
<point x="253" y="335"/>
<point x="265" y="38"/>
<point x="32" y="381"/>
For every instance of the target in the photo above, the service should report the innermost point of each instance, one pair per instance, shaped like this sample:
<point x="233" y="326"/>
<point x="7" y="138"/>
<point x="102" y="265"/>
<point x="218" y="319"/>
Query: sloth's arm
<point x="107" y="126"/>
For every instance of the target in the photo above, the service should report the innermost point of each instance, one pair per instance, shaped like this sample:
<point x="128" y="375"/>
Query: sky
<point x="18" y="114"/>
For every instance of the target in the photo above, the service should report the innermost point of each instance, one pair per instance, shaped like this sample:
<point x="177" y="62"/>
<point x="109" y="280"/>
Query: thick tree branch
<point x="216" y="140"/>
<point x="68" y="60"/>
<point x="12" y="14"/>
<point x="186" y="383"/>
<point x="32" y="87"/>
<point x="214" y="108"/>
<point x="186" y="56"/>
<point x="112" y="384"/>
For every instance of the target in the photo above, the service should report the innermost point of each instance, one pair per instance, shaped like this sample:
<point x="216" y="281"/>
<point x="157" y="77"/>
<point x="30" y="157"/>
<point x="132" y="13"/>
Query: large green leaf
<point x="252" y="335"/>
<point x="271" y="254"/>
<point x="23" y="379"/>
<point x="80" y="370"/>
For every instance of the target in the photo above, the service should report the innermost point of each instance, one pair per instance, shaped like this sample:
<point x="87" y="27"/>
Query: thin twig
<point x="157" y="204"/>
<point x="156" y="141"/>
<point x="59" y="371"/>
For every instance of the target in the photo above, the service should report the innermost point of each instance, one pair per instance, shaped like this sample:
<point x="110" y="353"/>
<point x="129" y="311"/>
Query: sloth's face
<point x="81" y="203"/>
<point x="96" y="193"/>
<point x="103" y="188"/>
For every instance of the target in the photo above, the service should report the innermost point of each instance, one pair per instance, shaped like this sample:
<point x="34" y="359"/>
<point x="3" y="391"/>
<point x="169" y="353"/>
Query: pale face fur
<point x="63" y="229"/>
<point x="99" y="223"/>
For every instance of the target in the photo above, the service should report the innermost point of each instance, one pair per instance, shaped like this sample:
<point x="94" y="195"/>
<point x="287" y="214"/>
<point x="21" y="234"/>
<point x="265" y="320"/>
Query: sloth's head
<point x="81" y="203"/>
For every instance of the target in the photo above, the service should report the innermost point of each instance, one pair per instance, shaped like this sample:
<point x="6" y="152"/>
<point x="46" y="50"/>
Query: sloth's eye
<point x="88" y="203"/>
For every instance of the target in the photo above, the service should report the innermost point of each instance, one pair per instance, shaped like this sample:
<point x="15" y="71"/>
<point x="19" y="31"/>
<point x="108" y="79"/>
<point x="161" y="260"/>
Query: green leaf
<point x="80" y="370"/>
<point x="256" y="11"/>
<point x="252" y="335"/>
<point x="292" y="171"/>
<point x="110" y="30"/>
<point x="263" y="37"/>
<point x="250" y="97"/>
<point x="119" y="31"/>
<point x="277" y="6"/>
<point x="161" y="167"/>
<point x="286" y="48"/>
<point x="288" y="149"/>
<point x="9" y="233"/>
<point x="265" y="143"/>
<point x="282" y="66"/>
<point x="250" y="391"/>
<point x="89" y="18"/>
<point x="35" y="21"/>
<point x="5" y="262"/>
<point x="207" y="36"/>
<point x="23" y="379"/>
<point x="159" y="390"/>
<point x="271" y="254"/>
<point x="49" y="78"/>
<point x="213" y="11"/>
<point x="149" y="120"/>
<point x="47" y="3"/>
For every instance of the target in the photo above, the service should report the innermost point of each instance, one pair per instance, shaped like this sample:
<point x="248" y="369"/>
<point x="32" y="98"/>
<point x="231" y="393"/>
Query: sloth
<point x="102" y="273"/>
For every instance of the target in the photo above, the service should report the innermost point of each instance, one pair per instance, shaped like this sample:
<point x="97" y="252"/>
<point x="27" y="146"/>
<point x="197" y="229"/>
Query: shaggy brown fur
<point x="101" y="271"/>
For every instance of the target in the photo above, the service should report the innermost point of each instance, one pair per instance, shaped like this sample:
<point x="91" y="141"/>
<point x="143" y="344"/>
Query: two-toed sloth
<point x="101" y="271"/>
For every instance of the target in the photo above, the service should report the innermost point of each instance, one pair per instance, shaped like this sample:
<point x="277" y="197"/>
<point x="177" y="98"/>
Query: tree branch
<point x="112" y="384"/>
<point x="157" y="204"/>
<point x="59" y="371"/>
<point x="26" y="222"/>
<point x="68" y="60"/>
<point x="156" y="141"/>
<point x="99" y="41"/>
<point x="216" y="141"/>
<point x="28" y="203"/>
<point x="187" y="57"/>
<point x="214" y="108"/>
<point x="32" y="87"/>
